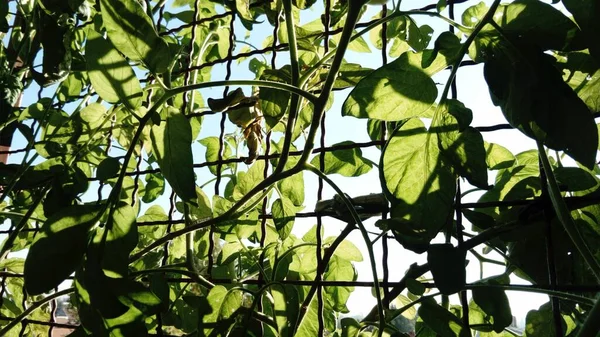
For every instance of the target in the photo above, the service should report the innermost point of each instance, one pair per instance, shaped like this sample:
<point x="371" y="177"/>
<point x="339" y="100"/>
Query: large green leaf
<point x="419" y="184"/>
<point x="248" y="180"/>
<point x="110" y="74"/>
<point x="448" y="267"/>
<point x="132" y="32"/>
<point x="398" y="90"/>
<point x="534" y="99"/>
<point x="540" y="322"/>
<point x="284" y="213"/>
<point x="273" y="102"/>
<point x="308" y="326"/>
<point x="442" y="321"/>
<point x="497" y="156"/>
<point x="212" y="152"/>
<point x="340" y="269"/>
<point x="494" y="303"/>
<point x="346" y="162"/>
<point x="532" y="21"/>
<point x="215" y="299"/>
<point x="59" y="248"/>
<point x="462" y="146"/>
<point x="121" y="239"/>
<point x="172" y="147"/>
<point x="286" y="303"/>
<point x="587" y="15"/>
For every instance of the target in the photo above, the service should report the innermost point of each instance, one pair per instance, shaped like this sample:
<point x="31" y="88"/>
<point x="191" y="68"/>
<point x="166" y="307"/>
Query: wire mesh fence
<point x="276" y="52"/>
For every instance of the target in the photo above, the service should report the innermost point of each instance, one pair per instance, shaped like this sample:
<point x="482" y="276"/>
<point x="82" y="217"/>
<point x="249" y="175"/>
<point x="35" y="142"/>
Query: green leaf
<point x="94" y="116"/>
<point x="575" y="179"/>
<point x="286" y="305"/>
<point x="232" y="302"/>
<point x="249" y="180"/>
<point x="415" y="287"/>
<point x="284" y="213"/>
<point x="131" y="30"/>
<point x="590" y="93"/>
<point x="346" y="162"/>
<point x="308" y="326"/>
<point x="398" y="90"/>
<point x="155" y="187"/>
<point x="350" y="327"/>
<point x="303" y="4"/>
<point x="212" y="151"/>
<point x="172" y="147"/>
<point x="346" y="250"/>
<point x="71" y="87"/>
<point x="498" y="157"/>
<point x="448" y="267"/>
<point x="494" y="303"/>
<point x="121" y="239"/>
<point x="587" y="15"/>
<point x="243" y="9"/>
<point x="110" y="74"/>
<point x="418" y="183"/>
<point x="273" y="102"/>
<point x="534" y="98"/>
<point x="463" y="148"/>
<point x="540" y="322"/>
<point x="59" y="248"/>
<point x="440" y="320"/>
<point x="215" y="298"/>
<point x="532" y="21"/>
<point x="340" y="269"/>
<point x="108" y="168"/>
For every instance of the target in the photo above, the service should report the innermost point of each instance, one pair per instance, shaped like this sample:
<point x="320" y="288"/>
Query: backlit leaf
<point x="346" y="162"/>
<point x="131" y="30"/>
<point x="419" y="184"/>
<point x="59" y="248"/>
<point x="110" y="74"/>
<point x="398" y="90"/>
<point x="172" y="147"/>
<point x="440" y="320"/>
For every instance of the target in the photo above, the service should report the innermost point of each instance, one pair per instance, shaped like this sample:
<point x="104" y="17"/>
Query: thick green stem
<point x="258" y="83"/>
<point x="295" y="99"/>
<point x="319" y="109"/>
<point x="32" y="308"/>
<point x="533" y="289"/>
<point x="564" y="215"/>
<point x="365" y="235"/>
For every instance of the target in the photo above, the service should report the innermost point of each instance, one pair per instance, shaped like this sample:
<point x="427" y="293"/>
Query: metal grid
<point x="391" y="289"/>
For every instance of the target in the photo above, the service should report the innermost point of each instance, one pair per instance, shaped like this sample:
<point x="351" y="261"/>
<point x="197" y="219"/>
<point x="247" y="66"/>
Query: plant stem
<point x="295" y="99"/>
<point x="32" y="308"/>
<point x="319" y="108"/>
<point x="564" y="215"/>
<point x="266" y="84"/>
<point x="196" y="277"/>
<point x="533" y="289"/>
<point x="365" y="236"/>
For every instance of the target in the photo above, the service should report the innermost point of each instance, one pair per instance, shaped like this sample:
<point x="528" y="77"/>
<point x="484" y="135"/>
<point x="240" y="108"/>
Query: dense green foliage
<point x="127" y="77"/>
